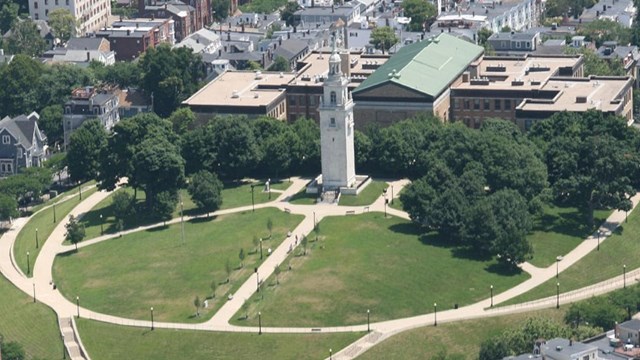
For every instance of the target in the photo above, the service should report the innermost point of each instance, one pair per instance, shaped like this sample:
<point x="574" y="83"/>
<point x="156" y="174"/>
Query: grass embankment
<point x="126" y="276"/>
<point x="368" y="262"/>
<point x="113" y="342"/>
<point x="33" y="325"/>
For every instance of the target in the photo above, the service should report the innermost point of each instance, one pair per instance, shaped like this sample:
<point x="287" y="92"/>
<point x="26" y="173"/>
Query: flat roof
<point x="581" y="94"/>
<point x="532" y="70"/>
<point x="241" y="88"/>
<point x="317" y="65"/>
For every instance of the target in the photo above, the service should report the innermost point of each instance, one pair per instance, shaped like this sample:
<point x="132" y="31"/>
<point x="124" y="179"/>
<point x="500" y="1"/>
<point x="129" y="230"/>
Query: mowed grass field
<point x="621" y="248"/>
<point x="459" y="340"/>
<point x="43" y="221"/>
<point x="154" y="268"/>
<point x="33" y="325"/>
<point x="367" y="262"/>
<point x="367" y="196"/>
<point x="558" y="231"/>
<point x="113" y="342"/>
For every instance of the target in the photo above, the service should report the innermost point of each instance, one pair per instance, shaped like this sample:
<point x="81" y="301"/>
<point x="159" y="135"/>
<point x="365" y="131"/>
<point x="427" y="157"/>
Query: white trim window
<point x="6" y="139"/>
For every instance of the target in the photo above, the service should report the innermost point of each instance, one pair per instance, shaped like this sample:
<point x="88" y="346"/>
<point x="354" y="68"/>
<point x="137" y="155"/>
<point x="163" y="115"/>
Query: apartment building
<point x="91" y="14"/>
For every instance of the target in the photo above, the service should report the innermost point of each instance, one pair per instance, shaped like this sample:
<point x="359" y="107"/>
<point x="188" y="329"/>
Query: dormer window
<point x="333" y="98"/>
<point x="6" y="139"/>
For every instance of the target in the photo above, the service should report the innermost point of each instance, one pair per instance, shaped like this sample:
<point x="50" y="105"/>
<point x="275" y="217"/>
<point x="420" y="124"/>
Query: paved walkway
<point x="220" y="321"/>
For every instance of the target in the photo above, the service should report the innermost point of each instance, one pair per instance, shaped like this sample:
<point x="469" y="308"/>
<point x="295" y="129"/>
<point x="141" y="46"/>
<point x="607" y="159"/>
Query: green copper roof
<point x="426" y="66"/>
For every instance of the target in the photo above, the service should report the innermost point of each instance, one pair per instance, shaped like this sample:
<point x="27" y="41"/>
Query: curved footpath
<point x="220" y="321"/>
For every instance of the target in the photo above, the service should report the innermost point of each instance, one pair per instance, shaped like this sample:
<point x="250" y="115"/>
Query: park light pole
<point x="269" y="187"/>
<point x="435" y="314"/>
<point x="28" y="264"/>
<point x="253" y="204"/>
<point x="368" y="322"/>
<point x="257" y="280"/>
<point x="80" y="190"/>
<point x="101" y="226"/>
<point x="384" y="194"/>
<point x="182" y="219"/>
<point x="64" y="350"/>
<point x="37" y="245"/>
<point x="491" y="288"/>
<point x="259" y="323"/>
<point x="330" y="354"/>
<point x="624" y="276"/>
<point x="54" y="213"/>
<point x="152" y="327"/>
<point x="78" y="306"/>
<point x="34" y="292"/>
<point x="558" y="295"/>
<point x="260" y="248"/>
<point x="598" y="248"/>
<point x="391" y="194"/>
<point x="558" y="259"/>
<point x="314" y="220"/>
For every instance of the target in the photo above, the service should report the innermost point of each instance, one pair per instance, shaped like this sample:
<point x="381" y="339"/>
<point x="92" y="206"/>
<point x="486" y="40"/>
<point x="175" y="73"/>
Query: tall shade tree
<point x="51" y="123"/>
<point x="85" y="146"/>
<point x="8" y="16"/>
<point x="421" y="13"/>
<point x="383" y="38"/>
<point x="8" y="207"/>
<point x="592" y="159"/>
<point x="63" y="23"/>
<point x="280" y="64"/>
<point x="25" y="39"/>
<point x="20" y="86"/>
<point x="205" y="189"/>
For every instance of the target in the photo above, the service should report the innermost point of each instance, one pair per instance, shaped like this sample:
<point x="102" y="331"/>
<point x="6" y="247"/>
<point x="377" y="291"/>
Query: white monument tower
<point x="336" y="126"/>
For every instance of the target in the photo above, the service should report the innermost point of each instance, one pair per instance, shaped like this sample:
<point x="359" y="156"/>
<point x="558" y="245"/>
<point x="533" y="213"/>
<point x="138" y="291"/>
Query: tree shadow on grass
<point x="469" y="253"/>
<point x="202" y="219"/>
<point x="567" y="223"/>
<point x="503" y="269"/>
<point x="407" y="228"/>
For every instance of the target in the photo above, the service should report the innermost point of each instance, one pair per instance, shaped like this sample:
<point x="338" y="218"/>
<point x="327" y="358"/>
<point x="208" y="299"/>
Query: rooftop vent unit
<point x="235" y="94"/>
<point x="256" y="95"/>
<point x="535" y="82"/>
<point x="480" y="81"/>
<point x="258" y="75"/>
<point x="497" y="68"/>
<point x="581" y="99"/>
<point x="538" y="68"/>
<point x="517" y="82"/>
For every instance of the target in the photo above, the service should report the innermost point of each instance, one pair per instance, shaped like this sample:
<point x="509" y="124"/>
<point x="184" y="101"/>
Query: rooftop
<point x="241" y="88"/>
<point x="565" y="347"/>
<point x="91" y="43"/>
<point x="581" y="94"/>
<point x="317" y="66"/>
<point x="440" y="60"/>
<point x="633" y="324"/>
<point x="527" y="36"/>
<point x="528" y="72"/>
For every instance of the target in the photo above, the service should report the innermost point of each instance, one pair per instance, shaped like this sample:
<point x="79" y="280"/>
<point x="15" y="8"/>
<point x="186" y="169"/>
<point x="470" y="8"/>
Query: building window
<point x="35" y="4"/>
<point x="46" y="12"/>
<point x="467" y="104"/>
<point x="527" y="124"/>
<point x="36" y="16"/>
<point x="476" y="104"/>
<point x="292" y="100"/>
<point x="332" y="122"/>
<point x="312" y="100"/>
<point x="66" y="2"/>
<point x="333" y="98"/>
<point x="456" y="104"/>
<point x="487" y="104"/>
<point x="497" y="105"/>
<point x="57" y="2"/>
<point x="46" y="2"/>
<point x="19" y="152"/>
<point x="507" y="104"/>
<point x="6" y="139"/>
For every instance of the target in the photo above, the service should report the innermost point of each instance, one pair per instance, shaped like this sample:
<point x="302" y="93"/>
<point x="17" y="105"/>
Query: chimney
<point x="264" y="60"/>
<point x="128" y="32"/>
<point x="333" y="8"/>
<point x="228" y="35"/>
<point x="137" y="25"/>
<point x="288" y="35"/>
<point x="220" y="52"/>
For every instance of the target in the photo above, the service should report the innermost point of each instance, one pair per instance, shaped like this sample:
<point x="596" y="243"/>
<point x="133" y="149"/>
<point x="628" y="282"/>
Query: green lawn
<point x="43" y="222"/>
<point x="126" y="276"/>
<point x="622" y="248"/>
<point x="61" y="196"/>
<point x="113" y="342"/>
<point x="235" y="195"/>
<point x="302" y="198"/>
<point x="368" y="262"/>
<point x="397" y="203"/>
<point x="33" y="325"/>
<point x="367" y="196"/>
<point x="460" y="340"/>
<point x="558" y="231"/>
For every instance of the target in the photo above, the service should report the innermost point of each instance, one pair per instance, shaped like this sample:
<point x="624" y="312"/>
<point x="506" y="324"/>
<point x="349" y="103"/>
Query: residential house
<point x="563" y="349"/>
<point x="23" y="144"/>
<point x="629" y="56"/>
<point x="90" y="103"/>
<point x="131" y="37"/>
<point x="81" y="51"/>
<point x="90" y="14"/>
<point x="629" y="332"/>
<point x="183" y="15"/>
<point x="513" y="42"/>
<point x="348" y="13"/>
<point x="291" y="50"/>
<point x="132" y="102"/>
<point x="203" y="41"/>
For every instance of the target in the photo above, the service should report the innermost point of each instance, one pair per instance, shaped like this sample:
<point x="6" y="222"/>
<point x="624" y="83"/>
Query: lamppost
<point x="37" y="245"/>
<point x="152" y="327"/>
<point x="101" y="226"/>
<point x="78" y="306"/>
<point x="259" y="323"/>
<point x="253" y="204"/>
<point x="384" y="194"/>
<point x="34" y="292"/>
<point x="314" y="220"/>
<point x="598" y="248"/>
<point x="391" y="194"/>
<point x="491" y="288"/>
<point x="80" y="190"/>
<point x="558" y="258"/>
<point x="624" y="276"/>
<point x="269" y="181"/>
<point x="558" y="295"/>
<point x="260" y="248"/>
<point x="28" y="264"/>
<point x="435" y="314"/>
<point x="54" y="213"/>
<point x="64" y="352"/>
<point x="182" y="219"/>
<point x="368" y="323"/>
<point x="330" y="354"/>
<point x="257" y="280"/>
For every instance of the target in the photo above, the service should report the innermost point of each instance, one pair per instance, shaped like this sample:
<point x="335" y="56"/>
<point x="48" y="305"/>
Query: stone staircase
<point x="330" y="197"/>
<point x="71" y="342"/>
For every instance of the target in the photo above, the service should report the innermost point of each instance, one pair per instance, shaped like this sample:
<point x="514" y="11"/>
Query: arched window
<point x="333" y="97"/>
